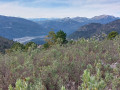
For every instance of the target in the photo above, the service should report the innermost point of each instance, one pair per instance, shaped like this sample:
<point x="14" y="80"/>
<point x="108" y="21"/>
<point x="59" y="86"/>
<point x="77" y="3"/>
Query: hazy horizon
<point x="53" y="17"/>
<point x="59" y="8"/>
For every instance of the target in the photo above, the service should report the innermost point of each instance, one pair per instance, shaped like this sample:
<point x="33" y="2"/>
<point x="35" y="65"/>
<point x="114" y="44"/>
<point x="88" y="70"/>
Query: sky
<point x="59" y="8"/>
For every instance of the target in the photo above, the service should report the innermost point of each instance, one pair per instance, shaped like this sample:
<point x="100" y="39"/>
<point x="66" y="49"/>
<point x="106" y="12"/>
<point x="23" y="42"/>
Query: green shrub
<point x="31" y="45"/>
<point x="63" y="88"/>
<point x="26" y="85"/>
<point x="46" y="45"/>
<point x="112" y="35"/>
<point x="93" y="82"/>
<point x="20" y="85"/>
<point x="61" y="35"/>
<point x="17" y="46"/>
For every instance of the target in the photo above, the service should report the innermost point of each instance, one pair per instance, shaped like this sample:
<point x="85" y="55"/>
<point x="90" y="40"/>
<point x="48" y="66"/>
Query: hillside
<point x="92" y="29"/>
<point x="112" y="26"/>
<point x="5" y="44"/>
<point x="13" y="27"/>
<point x="85" y="31"/>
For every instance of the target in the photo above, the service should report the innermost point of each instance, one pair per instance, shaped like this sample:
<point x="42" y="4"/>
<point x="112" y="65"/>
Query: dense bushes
<point x="18" y="46"/>
<point x="77" y="65"/>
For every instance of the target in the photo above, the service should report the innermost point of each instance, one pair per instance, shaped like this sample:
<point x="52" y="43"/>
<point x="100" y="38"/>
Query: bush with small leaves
<point x="30" y="45"/>
<point x="112" y="35"/>
<point x="46" y="45"/>
<point x="63" y="88"/>
<point x="17" y="46"/>
<point x="92" y="82"/>
<point x="20" y="85"/>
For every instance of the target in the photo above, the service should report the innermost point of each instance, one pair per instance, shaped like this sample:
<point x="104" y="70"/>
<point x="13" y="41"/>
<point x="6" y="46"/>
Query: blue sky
<point x="59" y="8"/>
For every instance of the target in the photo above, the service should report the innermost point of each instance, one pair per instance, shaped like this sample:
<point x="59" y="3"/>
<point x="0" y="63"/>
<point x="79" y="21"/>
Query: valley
<point x="23" y="30"/>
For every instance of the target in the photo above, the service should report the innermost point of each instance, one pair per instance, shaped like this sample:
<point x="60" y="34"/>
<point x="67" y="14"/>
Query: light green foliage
<point x="24" y="85"/>
<point x="20" y="85"/>
<point x="108" y="77"/>
<point x="59" y="41"/>
<point x="37" y="85"/>
<point x="10" y="87"/>
<point x="63" y="88"/>
<point x="116" y="83"/>
<point x="93" y="82"/>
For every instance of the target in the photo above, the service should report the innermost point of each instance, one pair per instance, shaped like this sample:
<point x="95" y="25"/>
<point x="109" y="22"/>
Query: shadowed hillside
<point x="5" y="44"/>
<point x="95" y="29"/>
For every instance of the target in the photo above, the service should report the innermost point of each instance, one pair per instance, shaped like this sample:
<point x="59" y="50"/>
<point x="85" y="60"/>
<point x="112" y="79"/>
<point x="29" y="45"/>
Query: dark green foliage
<point x="46" y="45"/>
<point x="112" y="35"/>
<point x="62" y="35"/>
<point x="30" y="45"/>
<point x="17" y="46"/>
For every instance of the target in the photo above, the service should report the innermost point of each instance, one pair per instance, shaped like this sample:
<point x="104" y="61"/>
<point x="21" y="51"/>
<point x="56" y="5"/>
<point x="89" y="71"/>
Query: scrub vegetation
<point x="85" y="64"/>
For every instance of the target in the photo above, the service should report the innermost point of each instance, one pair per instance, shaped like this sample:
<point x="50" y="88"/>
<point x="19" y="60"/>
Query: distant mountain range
<point x="13" y="27"/>
<point x="95" y="29"/>
<point x="18" y="29"/>
<point x="41" y="19"/>
<point x="69" y="25"/>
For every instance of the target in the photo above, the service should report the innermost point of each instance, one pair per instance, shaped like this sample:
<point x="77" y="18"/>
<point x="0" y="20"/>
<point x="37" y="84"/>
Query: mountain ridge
<point x="85" y="31"/>
<point x="14" y="27"/>
<point x="69" y="25"/>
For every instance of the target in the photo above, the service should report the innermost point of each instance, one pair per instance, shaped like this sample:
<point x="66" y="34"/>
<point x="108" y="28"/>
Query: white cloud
<point x="85" y="8"/>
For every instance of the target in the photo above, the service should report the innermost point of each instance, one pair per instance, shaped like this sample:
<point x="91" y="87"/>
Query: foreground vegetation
<point x="77" y="65"/>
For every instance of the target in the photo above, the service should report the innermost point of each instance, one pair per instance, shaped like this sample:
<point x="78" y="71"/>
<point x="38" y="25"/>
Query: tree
<point x="55" y="38"/>
<point x="112" y="35"/>
<point x="51" y="38"/>
<point x="61" y="36"/>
